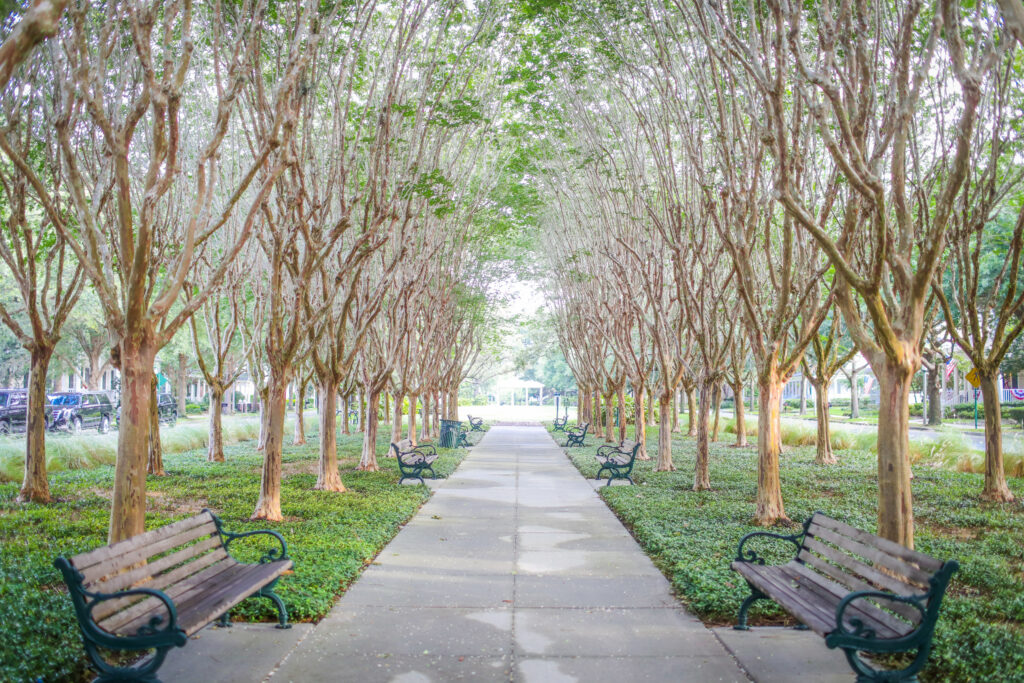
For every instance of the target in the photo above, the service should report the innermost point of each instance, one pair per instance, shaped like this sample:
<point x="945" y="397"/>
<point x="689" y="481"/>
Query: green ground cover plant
<point x="692" y="537"/>
<point x="330" y="536"/>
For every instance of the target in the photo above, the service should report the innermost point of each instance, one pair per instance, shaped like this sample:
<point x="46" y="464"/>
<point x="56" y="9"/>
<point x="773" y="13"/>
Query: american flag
<point x="950" y="367"/>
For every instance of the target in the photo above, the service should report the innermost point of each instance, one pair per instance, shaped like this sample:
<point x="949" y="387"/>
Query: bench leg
<point x="225" y="620"/>
<point x="282" y="612"/>
<point x="145" y="672"/>
<point x="869" y="674"/>
<point x="741" y="619"/>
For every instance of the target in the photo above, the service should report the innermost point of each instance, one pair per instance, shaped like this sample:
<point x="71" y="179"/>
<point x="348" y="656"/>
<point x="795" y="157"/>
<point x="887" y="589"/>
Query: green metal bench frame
<point x="575" y="436"/>
<point x="462" y="440"/>
<point x="561" y="422"/>
<point x="853" y="632"/>
<point x="413" y="462"/>
<point x="476" y="423"/>
<point x="607" y="455"/>
<point x="161" y="632"/>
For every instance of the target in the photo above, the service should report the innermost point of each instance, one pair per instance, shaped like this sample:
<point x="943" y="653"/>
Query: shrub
<point x="194" y="409"/>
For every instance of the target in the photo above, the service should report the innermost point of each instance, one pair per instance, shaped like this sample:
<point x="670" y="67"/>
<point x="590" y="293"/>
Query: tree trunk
<point x="182" y="382"/>
<point x="895" y="509"/>
<point x="675" y="411"/>
<point x="396" y="422"/>
<point x="299" y="435"/>
<point x="598" y="422"/>
<point x="691" y="407"/>
<point x="824" y="456"/>
<point x="362" y="412"/>
<point x="413" y="400"/>
<point x="346" y="405"/>
<point x="854" y="394"/>
<point x="264" y="395"/>
<point x="935" y="391"/>
<point x="35" y="487"/>
<point x="156" y="451"/>
<point x="268" y="507"/>
<point x="427" y="414"/>
<point x="739" y="412"/>
<point x="609" y="418"/>
<point x="128" y="507"/>
<point x="327" y="477"/>
<point x="215" y="442"/>
<point x="639" y="428"/>
<point x="701" y="473"/>
<point x="769" y="439"/>
<point x="622" y="413"/>
<point x="803" y="395"/>
<point x="665" y="437"/>
<point x="387" y="405"/>
<point x="716" y="400"/>
<point x="368" y="460"/>
<point x="995" y="488"/>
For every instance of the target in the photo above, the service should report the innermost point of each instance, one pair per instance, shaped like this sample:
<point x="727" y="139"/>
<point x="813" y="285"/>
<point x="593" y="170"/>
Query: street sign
<point x="972" y="377"/>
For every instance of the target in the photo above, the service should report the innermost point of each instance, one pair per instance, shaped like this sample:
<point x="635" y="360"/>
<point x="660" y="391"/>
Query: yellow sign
<point x="972" y="377"/>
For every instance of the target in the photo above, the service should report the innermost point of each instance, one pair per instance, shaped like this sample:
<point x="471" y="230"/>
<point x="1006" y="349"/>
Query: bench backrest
<point x="155" y="559"/>
<point x="862" y="561"/>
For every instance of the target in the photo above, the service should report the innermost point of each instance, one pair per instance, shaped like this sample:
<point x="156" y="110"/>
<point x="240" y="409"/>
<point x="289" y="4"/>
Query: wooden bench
<point x="560" y="422"/>
<point x="413" y="461"/>
<point x="462" y="439"/>
<point x="618" y="460"/>
<point x="154" y="590"/>
<point x="476" y="423"/>
<point x="860" y="592"/>
<point x="575" y="436"/>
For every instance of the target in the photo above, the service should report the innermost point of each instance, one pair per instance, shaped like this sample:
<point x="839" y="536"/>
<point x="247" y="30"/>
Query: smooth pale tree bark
<point x="623" y="418"/>
<point x="413" y="402"/>
<point x="702" y="472"/>
<point x="895" y="509"/>
<point x="35" y="486"/>
<point x="933" y="384"/>
<point x="854" y="392"/>
<point x="824" y="455"/>
<point x="181" y="380"/>
<point x="268" y="506"/>
<point x="396" y="420"/>
<point x="739" y="413"/>
<point x="597" y="427"/>
<point x="215" y="441"/>
<point x="995" y="488"/>
<point x="299" y="433"/>
<point x="675" y="411"/>
<point x="327" y="477"/>
<point x="128" y="507"/>
<point x="156" y="451"/>
<point x="716" y="400"/>
<point x="639" y="429"/>
<point x="609" y="417"/>
<point x="39" y="22"/>
<point x="769" y="507"/>
<point x="691" y="410"/>
<point x="368" y="460"/>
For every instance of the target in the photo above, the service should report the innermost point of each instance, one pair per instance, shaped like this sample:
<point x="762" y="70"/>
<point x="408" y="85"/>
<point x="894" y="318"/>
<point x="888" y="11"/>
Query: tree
<point x="830" y="350"/>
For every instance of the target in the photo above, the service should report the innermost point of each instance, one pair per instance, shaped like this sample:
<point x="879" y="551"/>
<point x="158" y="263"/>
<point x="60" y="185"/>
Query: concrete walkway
<point x="514" y="570"/>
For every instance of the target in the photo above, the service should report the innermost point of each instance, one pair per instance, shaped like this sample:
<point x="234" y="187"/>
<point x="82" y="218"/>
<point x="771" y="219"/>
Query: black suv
<point x="78" y="410"/>
<point x="14" y="411"/>
<point x="167" y="409"/>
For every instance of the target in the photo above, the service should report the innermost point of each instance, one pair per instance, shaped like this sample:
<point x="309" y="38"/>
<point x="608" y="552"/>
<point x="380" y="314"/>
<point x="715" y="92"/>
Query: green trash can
<point x="449" y="433"/>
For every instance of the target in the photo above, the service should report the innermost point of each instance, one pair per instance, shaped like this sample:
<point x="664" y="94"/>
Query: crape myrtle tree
<point x="44" y="270"/>
<point x="979" y="290"/>
<point x="829" y="351"/>
<point x="221" y="339"/>
<point x="892" y="92"/>
<point x="142" y="172"/>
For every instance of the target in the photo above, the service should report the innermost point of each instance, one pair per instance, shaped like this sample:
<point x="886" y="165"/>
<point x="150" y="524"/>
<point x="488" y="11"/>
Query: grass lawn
<point x="692" y="537"/>
<point x="330" y="538"/>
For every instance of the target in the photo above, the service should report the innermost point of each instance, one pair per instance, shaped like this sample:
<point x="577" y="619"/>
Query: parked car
<point x="78" y="410"/>
<point x="14" y="411"/>
<point x="167" y="409"/>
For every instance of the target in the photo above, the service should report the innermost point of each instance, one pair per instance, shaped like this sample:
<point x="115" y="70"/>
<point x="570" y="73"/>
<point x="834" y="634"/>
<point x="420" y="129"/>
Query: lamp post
<point x="557" y="394"/>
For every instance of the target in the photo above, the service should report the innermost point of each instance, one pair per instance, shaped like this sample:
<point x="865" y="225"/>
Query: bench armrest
<point x="607" y="449"/>
<point x="425" y="449"/>
<point x="861" y="635"/>
<point x="271" y="555"/>
<point x="752" y="556"/>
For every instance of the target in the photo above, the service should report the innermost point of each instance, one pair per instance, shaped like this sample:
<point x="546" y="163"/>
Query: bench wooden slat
<point x="911" y="579"/>
<point x="201" y="604"/>
<point x="768" y="579"/>
<point x="854" y="583"/>
<point x="98" y="576"/>
<point x="109" y="607"/>
<point x="93" y="557"/>
<point x="115" y="623"/>
<point x="835" y="592"/>
<point x="155" y="576"/>
<point x="929" y="564"/>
